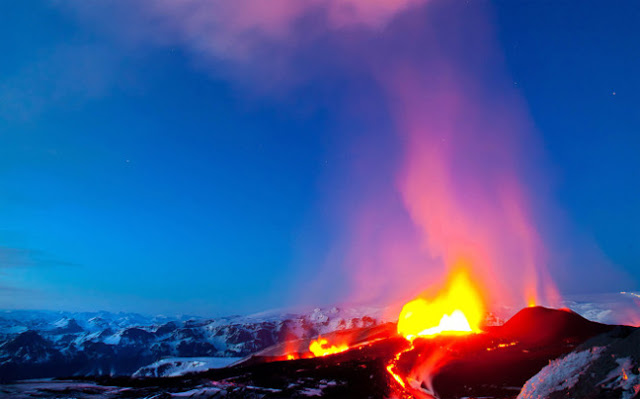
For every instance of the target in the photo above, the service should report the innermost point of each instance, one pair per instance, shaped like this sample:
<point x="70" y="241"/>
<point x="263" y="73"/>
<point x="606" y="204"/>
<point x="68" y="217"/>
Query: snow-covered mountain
<point x="47" y="344"/>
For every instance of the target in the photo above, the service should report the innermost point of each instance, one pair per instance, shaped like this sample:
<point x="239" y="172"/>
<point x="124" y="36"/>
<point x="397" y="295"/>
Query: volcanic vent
<point x="440" y="347"/>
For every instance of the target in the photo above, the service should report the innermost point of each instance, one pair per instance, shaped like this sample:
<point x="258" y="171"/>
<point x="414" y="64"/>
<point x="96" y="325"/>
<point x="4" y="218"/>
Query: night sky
<point x="208" y="158"/>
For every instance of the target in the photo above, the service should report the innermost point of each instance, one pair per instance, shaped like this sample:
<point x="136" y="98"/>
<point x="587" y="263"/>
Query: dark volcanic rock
<point x="28" y="346"/>
<point x="607" y="366"/>
<point x="543" y="326"/>
<point x="264" y="337"/>
<point x="194" y="348"/>
<point x="284" y="331"/>
<point x="187" y="334"/>
<point x="238" y="335"/>
<point x="166" y="328"/>
<point x="28" y="354"/>
<point x="105" y="333"/>
<point x="507" y="355"/>
<point x="98" y="350"/>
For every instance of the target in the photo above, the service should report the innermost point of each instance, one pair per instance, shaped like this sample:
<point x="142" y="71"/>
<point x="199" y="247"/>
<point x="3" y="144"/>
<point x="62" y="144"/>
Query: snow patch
<point x="559" y="374"/>
<point x="113" y="339"/>
<point x="198" y="392"/>
<point x="624" y="377"/>
<point x="311" y="392"/>
<point x="178" y="366"/>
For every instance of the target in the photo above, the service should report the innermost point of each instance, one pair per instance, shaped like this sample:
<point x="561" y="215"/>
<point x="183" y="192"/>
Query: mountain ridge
<point x="38" y="344"/>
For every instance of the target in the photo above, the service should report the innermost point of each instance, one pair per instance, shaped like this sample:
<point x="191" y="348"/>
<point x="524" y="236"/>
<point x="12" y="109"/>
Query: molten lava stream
<point x="320" y="347"/>
<point x="457" y="310"/>
<point x="392" y="367"/>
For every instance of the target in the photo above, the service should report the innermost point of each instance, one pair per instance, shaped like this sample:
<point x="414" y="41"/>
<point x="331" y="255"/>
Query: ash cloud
<point x="460" y="180"/>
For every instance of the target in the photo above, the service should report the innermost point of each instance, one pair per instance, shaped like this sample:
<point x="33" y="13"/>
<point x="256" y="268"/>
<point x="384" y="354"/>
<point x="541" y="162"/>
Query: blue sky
<point x="575" y="67"/>
<point x="155" y="175"/>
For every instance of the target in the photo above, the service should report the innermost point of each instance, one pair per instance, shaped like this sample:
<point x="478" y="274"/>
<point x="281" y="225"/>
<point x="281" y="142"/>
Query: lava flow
<point x="321" y="347"/>
<point x="458" y="309"/>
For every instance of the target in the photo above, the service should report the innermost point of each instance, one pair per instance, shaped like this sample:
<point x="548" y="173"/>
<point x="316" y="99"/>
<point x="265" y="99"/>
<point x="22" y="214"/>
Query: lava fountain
<point x="457" y="309"/>
<point x="322" y="347"/>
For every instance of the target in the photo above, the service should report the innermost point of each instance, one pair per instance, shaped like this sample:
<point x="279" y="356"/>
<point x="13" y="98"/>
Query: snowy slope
<point x="607" y="366"/>
<point x="45" y="344"/>
<point x="177" y="366"/>
<point x="561" y="374"/>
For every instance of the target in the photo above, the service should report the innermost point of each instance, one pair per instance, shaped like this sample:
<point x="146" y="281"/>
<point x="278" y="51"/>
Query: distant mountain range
<point x="36" y="344"/>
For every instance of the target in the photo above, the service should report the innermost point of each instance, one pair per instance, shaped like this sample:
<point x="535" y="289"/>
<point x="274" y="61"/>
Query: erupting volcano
<point x="459" y="309"/>
<point x="446" y="343"/>
<point x="443" y="336"/>
<point x="381" y="199"/>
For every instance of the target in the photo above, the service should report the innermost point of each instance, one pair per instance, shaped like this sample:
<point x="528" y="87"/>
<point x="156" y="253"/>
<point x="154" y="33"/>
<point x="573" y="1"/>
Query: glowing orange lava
<point x="321" y="347"/>
<point x="530" y="297"/>
<point x="502" y="345"/>
<point x="459" y="309"/>
<point x="391" y="367"/>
